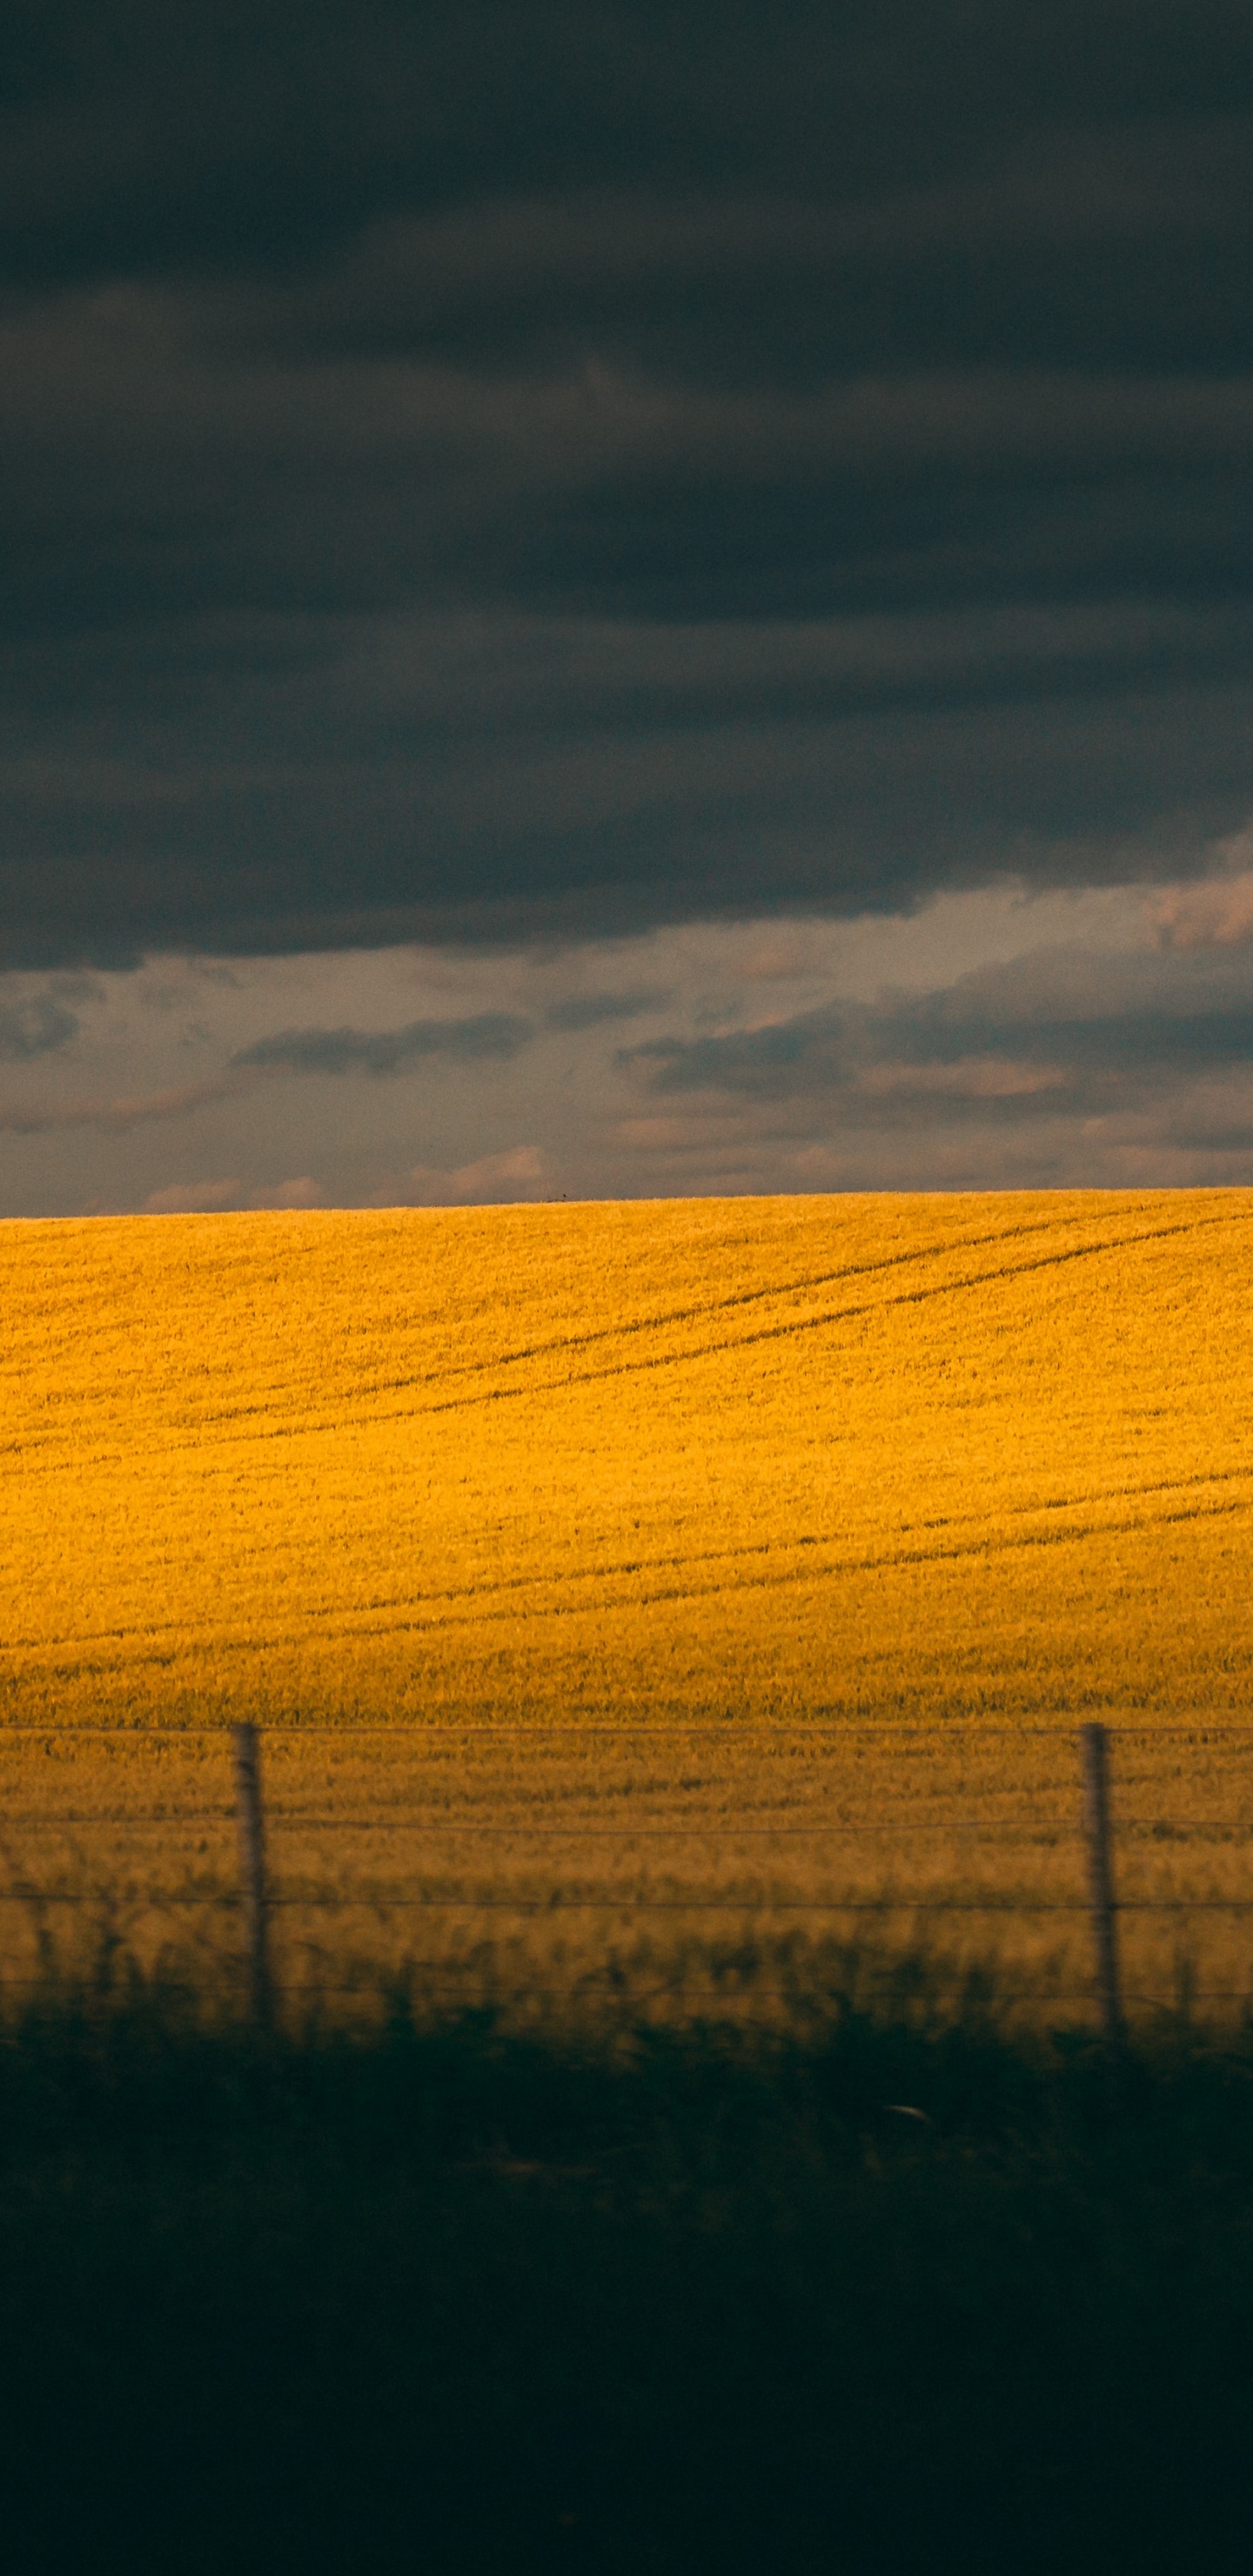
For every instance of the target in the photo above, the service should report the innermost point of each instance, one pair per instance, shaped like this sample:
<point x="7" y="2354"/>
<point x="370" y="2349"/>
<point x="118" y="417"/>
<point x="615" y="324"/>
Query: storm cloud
<point x="504" y="475"/>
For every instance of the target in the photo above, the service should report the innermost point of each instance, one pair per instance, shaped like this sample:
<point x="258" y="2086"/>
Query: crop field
<point x="646" y="1601"/>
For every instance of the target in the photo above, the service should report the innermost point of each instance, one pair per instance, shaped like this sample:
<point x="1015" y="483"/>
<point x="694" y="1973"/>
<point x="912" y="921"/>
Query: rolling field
<point x="639" y="1595"/>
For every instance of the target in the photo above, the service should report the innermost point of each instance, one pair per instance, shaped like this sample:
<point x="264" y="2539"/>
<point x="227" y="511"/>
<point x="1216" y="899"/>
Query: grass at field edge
<point x="900" y="2298"/>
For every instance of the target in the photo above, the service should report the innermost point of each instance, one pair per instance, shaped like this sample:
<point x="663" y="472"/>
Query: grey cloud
<point x="110" y="1116"/>
<point x="815" y="1050"/>
<point x="34" y="1027"/>
<point x="601" y="814"/>
<point x="488" y="1034"/>
<point x="633" y="260"/>
<point x="591" y="1010"/>
<point x="1055" y="1034"/>
<point x="121" y="122"/>
<point x="1216" y="913"/>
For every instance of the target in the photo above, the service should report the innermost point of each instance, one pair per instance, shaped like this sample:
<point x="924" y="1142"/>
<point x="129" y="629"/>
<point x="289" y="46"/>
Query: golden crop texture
<point x="638" y="1596"/>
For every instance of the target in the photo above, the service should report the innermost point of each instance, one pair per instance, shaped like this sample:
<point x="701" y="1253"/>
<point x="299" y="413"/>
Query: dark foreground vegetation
<point x="894" y="2299"/>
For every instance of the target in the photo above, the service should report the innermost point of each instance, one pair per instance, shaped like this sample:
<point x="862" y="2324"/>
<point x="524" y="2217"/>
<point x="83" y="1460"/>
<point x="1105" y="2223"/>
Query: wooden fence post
<point x="1099" y="1838"/>
<point x="252" y="1874"/>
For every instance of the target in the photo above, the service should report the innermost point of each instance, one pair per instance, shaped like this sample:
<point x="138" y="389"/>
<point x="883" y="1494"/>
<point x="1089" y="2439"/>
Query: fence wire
<point x="430" y="1823"/>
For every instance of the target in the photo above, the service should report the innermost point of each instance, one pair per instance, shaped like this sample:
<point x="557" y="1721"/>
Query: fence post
<point x="252" y="1873"/>
<point x="1099" y="1838"/>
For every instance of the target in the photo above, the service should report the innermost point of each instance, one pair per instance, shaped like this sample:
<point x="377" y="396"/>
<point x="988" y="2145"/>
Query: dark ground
<point x="459" y="2304"/>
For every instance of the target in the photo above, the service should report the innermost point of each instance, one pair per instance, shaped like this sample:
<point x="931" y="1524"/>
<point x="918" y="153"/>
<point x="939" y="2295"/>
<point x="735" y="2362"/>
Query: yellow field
<point x="692" y="1563"/>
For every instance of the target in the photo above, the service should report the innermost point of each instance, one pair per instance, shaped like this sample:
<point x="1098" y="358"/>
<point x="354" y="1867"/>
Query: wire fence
<point x="261" y="1899"/>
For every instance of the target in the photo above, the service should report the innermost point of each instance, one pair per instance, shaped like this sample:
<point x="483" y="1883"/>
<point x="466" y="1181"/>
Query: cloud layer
<point x="1059" y="1034"/>
<point x="988" y="1040"/>
<point x="511" y="474"/>
<point x="384" y="1051"/>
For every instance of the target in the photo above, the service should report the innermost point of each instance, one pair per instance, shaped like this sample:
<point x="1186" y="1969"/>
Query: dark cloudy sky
<point x="607" y="598"/>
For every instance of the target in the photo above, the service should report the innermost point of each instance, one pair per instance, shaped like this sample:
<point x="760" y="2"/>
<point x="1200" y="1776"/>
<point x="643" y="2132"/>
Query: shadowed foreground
<point x="460" y="2303"/>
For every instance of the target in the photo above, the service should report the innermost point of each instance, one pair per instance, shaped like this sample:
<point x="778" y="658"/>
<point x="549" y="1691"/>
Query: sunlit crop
<point x="744" y="1554"/>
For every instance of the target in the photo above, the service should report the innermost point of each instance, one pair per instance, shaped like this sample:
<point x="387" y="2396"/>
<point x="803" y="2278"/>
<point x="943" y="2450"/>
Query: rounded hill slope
<point x="887" y="1457"/>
